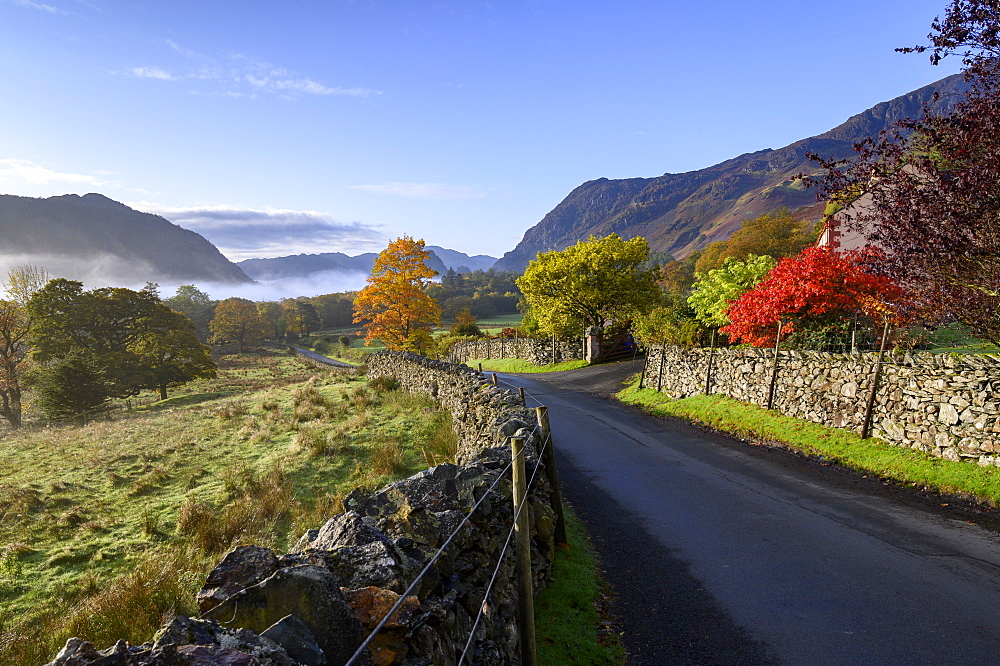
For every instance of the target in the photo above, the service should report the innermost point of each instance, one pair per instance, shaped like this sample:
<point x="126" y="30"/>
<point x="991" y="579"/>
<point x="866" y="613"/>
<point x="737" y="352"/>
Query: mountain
<point x="304" y="265"/>
<point x="94" y="239"/>
<point x="459" y="260"/>
<point x="682" y="213"/>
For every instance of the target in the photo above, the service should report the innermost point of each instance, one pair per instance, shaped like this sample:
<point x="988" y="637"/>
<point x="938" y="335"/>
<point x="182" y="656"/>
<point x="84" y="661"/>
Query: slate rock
<point x="294" y="636"/>
<point x="308" y="592"/>
<point x="241" y="567"/>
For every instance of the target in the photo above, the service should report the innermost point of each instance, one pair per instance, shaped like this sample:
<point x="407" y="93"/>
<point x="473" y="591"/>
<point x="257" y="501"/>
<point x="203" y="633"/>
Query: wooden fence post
<point x="551" y="472"/>
<point x="494" y="379"/>
<point x="520" y="392"/>
<point x="870" y="407"/>
<point x="525" y="584"/>
<point x="708" y="371"/>
<point x="642" y="375"/>
<point x="774" y="370"/>
<point x="659" y="375"/>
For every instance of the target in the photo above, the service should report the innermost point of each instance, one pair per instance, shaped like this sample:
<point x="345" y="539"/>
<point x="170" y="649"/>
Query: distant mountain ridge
<point x="305" y="265"/>
<point x="682" y="213"/>
<point x="92" y="237"/>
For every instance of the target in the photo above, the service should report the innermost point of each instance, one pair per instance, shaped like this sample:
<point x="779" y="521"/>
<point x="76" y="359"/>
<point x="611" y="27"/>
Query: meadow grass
<point x="518" y="365"/>
<point x="106" y="528"/>
<point x="569" y="626"/>
<point x="908" y="467"/>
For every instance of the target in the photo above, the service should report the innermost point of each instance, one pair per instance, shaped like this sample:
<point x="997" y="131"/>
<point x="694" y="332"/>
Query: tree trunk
<point x="163" y="391"/>
<point x="10" y="406"/>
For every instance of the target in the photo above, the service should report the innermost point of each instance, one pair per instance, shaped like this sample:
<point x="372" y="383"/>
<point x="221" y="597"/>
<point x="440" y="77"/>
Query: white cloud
<point x="244" y="233"/>
<point x="152" y="73"/>
<point x="242" y="76"/>
<point x="438" y="191"/>
<point x="16" y="174"/>
<point x="40" y="6"/>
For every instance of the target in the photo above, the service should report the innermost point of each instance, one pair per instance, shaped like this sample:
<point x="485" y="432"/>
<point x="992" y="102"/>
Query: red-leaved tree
<point x="813" y="290"/>
<point x="933" y="184"/>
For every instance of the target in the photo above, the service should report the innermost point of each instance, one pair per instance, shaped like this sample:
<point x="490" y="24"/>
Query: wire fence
<point x="467" y="518"/>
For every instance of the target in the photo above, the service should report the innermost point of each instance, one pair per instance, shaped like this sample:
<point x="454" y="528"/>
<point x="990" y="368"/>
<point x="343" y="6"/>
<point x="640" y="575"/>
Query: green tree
<point x="170" y="353"/>
<point x="196" y="305"/>
<point x="104" y="322"/>
<point x="591" y="284"/>
<point x="666" y="325"/>
<point x="277" y="325"/>
<point x="137" y="341"/>
<point x="73" y="387"/>
<point x="237" y="320"/>
<point x="301" y="316"/>
<point x="715" y="291"/>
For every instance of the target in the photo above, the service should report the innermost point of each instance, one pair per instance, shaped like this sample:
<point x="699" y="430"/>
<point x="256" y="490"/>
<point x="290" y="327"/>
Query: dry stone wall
<point x="945" y="404"/>
<point x="539" y="351"/>
<point x="315" y="604"/>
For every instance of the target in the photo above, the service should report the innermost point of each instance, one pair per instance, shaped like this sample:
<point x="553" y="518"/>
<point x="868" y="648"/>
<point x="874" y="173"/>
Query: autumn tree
<point x="932" y="186"/>
<point x="14" y="327"/>
<point x="813" y="291"/>
<point x="593" y="283"/>
<point x="237" y="320"/>
<point x="715" y="291"/>
<point x="394" y="307"/>
<point x="15" y="324"/>
<point x="466" y="324"/>
<point x="777" y="234"/>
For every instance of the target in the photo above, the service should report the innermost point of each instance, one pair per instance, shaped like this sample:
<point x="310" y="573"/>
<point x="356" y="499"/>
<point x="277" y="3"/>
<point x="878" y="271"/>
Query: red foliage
<point x="509" y="332"/>
<point x="817" y="287"/>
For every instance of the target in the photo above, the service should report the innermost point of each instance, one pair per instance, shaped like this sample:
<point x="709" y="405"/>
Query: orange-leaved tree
<point x="394" y="307"/>
<point x="237" y="320"/>
<point x="815" y="290"/>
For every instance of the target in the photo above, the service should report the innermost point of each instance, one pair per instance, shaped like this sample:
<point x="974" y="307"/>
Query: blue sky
<point x="279" y="128"/>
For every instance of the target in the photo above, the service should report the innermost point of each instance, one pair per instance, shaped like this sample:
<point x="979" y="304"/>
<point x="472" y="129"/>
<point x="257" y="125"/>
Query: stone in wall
<point x="316" y="604"/>
<point x="944" y="404"/>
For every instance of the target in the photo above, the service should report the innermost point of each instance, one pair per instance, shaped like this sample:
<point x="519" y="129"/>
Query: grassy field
<point x="106" y="527"/>
<point x="517" y="365"/>
<point x="907" y="467"/>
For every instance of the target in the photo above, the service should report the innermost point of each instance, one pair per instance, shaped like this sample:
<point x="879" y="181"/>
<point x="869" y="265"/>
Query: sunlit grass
<point x="569" y="628"/>
<point x="517" y="365"/>
<point x="902" y="465"/>
<point x="91" y="517"/>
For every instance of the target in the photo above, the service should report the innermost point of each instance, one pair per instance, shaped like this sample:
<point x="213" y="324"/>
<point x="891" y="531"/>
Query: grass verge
<point x="521" y="366"/>
<point x="907" y="467"/>
<point x="569" y="624"/>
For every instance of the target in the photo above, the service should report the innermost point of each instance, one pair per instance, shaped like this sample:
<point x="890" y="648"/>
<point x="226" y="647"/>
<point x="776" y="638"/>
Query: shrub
<point x="384" y="384"/>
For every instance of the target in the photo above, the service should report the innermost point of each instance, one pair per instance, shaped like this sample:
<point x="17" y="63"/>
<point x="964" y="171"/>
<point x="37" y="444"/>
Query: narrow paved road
<point x="722" y="553"/>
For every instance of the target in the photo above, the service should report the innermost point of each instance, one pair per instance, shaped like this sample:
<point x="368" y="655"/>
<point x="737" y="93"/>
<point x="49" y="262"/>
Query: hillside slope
<point x="92" y="238"/>
<point x="682" y="213"/>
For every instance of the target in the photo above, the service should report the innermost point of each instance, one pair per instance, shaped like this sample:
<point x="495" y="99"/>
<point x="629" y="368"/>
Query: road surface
<point x="724" y="553"/>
